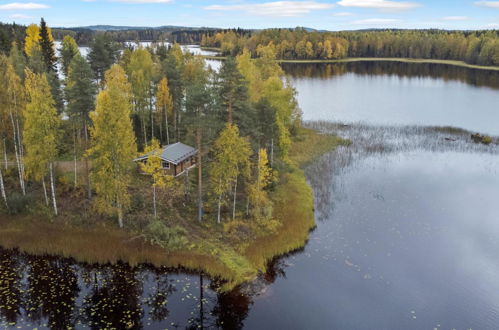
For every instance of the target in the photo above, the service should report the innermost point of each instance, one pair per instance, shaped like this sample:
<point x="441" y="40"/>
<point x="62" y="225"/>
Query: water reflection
<point x="474" y="77"/>
<point x="390" y="93"/>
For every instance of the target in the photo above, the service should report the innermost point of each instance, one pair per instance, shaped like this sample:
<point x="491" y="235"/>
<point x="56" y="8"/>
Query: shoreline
<point x="103" y="244"/>
<point x="455" y="63"/>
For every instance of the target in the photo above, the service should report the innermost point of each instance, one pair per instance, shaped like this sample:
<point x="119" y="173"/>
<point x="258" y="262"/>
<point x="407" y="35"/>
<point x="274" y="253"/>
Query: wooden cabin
<point x="175" y="158"/>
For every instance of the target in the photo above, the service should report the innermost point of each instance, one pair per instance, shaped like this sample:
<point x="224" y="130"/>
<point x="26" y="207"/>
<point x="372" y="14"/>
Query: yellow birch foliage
<point x="41" y="124"/>
<point x="164" y="101"/>
<point x="261" y="205"/>
<point x="32" y="39"/>
<point x="113" y="144"/>
<point x="153" y="165"/>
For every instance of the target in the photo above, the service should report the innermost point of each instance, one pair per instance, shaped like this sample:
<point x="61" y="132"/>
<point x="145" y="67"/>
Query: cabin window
<point x="165" y="165"/>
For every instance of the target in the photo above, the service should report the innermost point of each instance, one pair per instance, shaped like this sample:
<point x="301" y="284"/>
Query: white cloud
<point x="278" y="8"/>
<point x="491" y="4"/>
<point x="342" y="14"/>
<point x="376" y="21"/>
<point x="455" y="18"/>
<point x="20" y="16"/>
<point x="143" y="1"/>
<point x="379" y="4"/>
<point x="22" y="6"/>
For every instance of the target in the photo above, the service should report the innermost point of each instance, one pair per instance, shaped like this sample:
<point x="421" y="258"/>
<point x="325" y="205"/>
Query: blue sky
<point x="319" y="14"/>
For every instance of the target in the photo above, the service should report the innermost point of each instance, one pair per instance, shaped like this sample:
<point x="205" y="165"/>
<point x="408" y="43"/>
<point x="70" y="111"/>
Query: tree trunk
<point x="219" y="207"/>
<point x="230" y="112"/>
<point x="2" y="188"/>
<point x="5" y="154"/>
<point x="152" y="124"/>
<point x="45" y="192"/>
<point x="247" y="205"/>
<point x="52" y="186"/>
<point x="87" y="169"/>
<point x="272" y="153"/>
<point x="175" y="124"/>
<point x="17" y="153"/>
<point x="234" y="202"/>
<point x="154" y="200"/>
<point x="200" y="176"/>
<point x="75" y="157"/>
<point x="166" y="127"/>
<point x="144" y="131"/>
<point x="120" y="214"/>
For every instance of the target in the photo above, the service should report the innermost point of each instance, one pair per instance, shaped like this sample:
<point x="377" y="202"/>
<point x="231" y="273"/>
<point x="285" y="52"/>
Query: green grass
<point x="208" y="249"/>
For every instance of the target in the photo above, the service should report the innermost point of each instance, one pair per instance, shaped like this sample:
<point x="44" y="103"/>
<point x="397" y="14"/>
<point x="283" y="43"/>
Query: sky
<point x="331" y="15"/>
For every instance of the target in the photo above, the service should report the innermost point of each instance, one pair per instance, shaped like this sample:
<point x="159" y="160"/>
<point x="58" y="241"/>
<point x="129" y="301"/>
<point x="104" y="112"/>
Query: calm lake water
<point x="407" y="225"/>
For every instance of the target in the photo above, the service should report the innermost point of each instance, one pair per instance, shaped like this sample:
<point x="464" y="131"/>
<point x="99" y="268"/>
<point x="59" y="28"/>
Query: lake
<point x="407" y="224"/>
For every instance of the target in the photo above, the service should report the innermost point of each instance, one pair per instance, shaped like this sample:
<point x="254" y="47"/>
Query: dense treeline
<point x="474" y="47"/>
<point x="102" y="111"/>
<point x="85" y="36"/>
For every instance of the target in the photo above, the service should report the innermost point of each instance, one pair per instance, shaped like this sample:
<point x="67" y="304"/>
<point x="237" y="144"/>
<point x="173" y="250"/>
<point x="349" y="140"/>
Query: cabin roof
<point x="173" y="153"/>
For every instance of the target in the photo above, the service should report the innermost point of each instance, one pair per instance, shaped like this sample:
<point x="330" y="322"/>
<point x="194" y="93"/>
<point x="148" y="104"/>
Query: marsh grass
<point x="88" y="238"/>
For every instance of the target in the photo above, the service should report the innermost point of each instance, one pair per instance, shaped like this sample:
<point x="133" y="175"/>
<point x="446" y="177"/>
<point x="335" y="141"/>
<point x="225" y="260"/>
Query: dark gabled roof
<point x="174" y="153"/>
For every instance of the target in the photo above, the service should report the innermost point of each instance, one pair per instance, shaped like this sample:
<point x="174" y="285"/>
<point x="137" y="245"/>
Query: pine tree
<point x="41" y="124"/>
<point x="113" y="145"/>
<point x="103" y="53"/>
<point x="80" y="96"/>
<point x="47" y="47"/>
<point x="69" y="49"/>
<point x="233" y="92"/>
<point x="164" y="104"/>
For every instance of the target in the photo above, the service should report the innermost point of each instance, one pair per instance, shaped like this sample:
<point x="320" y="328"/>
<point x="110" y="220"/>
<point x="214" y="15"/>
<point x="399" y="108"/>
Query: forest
<point x="85" y="35"/>
<point x="474" y="47"/>
<point x="71" y="126"/>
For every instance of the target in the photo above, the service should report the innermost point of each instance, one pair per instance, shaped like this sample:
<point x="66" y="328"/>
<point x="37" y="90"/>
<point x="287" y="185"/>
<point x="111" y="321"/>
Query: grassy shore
<point x="381" y="59"/>
<point x="207" y="251"/>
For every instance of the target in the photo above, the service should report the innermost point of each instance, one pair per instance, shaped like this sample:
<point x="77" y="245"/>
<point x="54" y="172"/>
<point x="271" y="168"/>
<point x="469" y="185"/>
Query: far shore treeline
<point x="473" y="47"/>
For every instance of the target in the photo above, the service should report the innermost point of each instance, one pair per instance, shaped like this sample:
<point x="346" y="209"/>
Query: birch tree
<point x="231" y="154"/>
<point x="153" y="168"/>
<point x="41" y="124"/>
<point x="258" y="199"/>
<point x="113" y="145"/>
<point x="164" y="104"/>
<point x="13" y="103"/>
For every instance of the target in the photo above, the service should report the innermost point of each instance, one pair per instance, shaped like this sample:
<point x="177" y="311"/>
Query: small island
<point x="149" y="156"/>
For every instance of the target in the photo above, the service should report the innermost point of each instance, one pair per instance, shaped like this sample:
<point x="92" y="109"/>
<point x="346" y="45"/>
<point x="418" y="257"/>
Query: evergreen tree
<point x="69" y="49"/>
<point x="233" y="91"/>
<point x="41" y="124"/>
<point x="113" y="145"/>
<point x="80" y="96"/>
<point x="47" y="47"/>
<point x="103" y="53"/>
